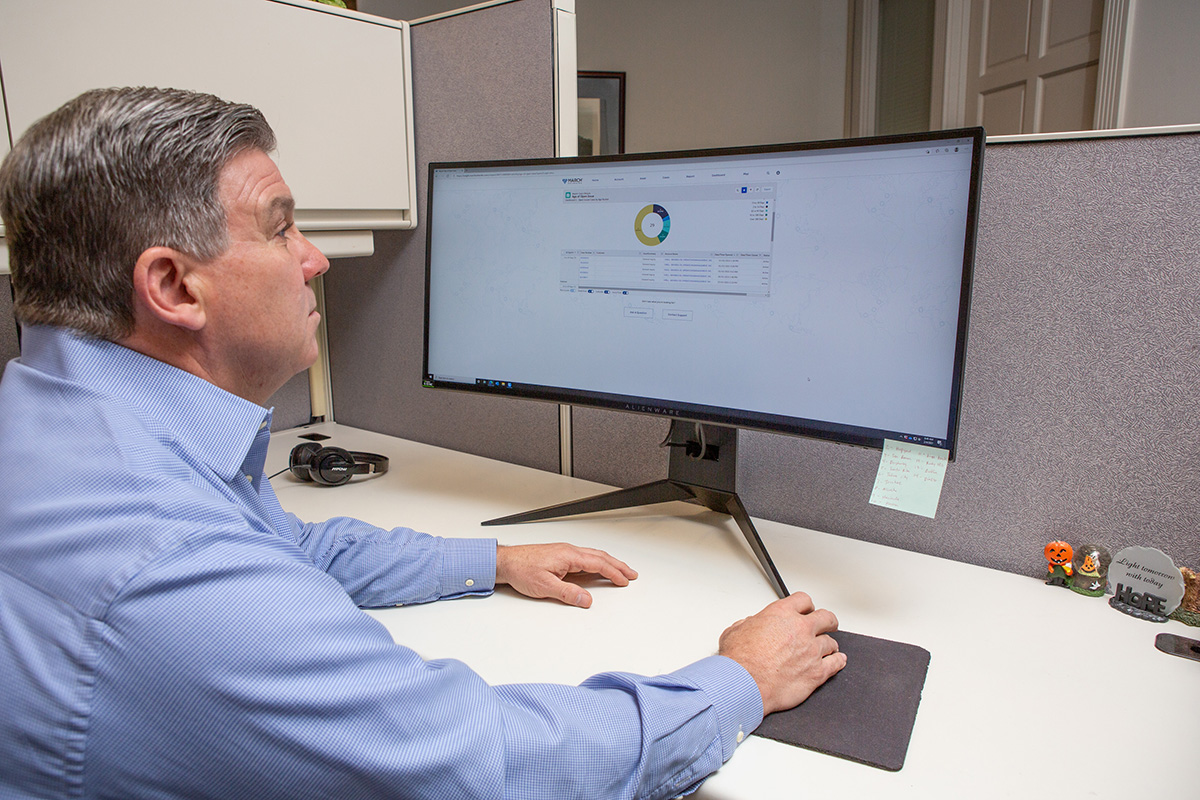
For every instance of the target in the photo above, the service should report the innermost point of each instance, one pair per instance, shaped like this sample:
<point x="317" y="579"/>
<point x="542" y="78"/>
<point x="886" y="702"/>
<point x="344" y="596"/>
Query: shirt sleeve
<point x="379" y="567"/>
<point x="225" y="673"/>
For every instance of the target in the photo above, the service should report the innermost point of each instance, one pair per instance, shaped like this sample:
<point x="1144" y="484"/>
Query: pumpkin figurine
<point x="1058" y="563"/>
<point x="1091" y="570"/>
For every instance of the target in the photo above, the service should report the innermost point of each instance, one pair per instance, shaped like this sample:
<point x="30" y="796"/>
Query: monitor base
<point x="702" y="470"/>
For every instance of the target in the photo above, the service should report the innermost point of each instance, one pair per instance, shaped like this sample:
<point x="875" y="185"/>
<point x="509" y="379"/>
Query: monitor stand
<point x="702" y="470"/>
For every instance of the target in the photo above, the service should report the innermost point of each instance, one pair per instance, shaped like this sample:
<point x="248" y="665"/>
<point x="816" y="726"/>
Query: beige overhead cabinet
<point x="335" y="85"/>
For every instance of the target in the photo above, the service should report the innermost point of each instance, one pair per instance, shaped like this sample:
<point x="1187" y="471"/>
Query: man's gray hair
<point x="91" y="186"/>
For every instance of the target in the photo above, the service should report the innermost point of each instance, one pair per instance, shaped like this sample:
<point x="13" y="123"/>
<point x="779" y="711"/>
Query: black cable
<point x="695" y="448"/>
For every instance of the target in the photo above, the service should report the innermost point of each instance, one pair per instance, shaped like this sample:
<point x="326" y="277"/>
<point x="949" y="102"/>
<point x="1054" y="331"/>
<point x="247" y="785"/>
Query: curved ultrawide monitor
<point x="817" y="289"/>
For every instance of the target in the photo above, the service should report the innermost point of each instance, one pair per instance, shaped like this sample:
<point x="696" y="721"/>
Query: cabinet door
<point x="334" y="85"/>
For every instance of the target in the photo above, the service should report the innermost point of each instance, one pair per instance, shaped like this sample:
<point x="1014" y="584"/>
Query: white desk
<point x="1026" y="687"/>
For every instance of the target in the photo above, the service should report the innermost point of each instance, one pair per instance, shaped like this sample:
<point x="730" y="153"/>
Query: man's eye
<point x="283" y="232"/>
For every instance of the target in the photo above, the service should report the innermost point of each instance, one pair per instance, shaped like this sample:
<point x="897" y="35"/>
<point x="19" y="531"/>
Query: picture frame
<point x="601" y="113"/>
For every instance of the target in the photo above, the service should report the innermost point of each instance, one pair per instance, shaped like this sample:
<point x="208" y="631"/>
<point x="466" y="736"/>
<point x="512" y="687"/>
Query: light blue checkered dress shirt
<point x="167" y="631"/>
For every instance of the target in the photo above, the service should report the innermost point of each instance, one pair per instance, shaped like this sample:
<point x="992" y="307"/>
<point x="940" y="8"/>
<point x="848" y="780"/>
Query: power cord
<point x="696" y="447"/>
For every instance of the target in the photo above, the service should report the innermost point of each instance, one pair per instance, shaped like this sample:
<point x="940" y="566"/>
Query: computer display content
<point x="816" y="289"/>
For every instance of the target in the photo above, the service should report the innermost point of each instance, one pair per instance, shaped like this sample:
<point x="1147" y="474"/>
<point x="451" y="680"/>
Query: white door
<point x="1033" y="65"/>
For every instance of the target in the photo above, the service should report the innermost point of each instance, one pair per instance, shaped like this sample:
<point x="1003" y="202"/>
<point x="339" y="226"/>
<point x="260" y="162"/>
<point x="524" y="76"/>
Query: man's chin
<point x="313" y="355"/>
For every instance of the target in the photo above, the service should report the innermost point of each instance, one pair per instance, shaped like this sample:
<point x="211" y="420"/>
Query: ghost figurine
<point x="1091" y="570"/>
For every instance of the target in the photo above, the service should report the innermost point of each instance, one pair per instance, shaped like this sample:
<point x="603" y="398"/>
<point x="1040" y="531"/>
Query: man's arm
<point x="380" y="567"/>
<point x="236" y="670"/>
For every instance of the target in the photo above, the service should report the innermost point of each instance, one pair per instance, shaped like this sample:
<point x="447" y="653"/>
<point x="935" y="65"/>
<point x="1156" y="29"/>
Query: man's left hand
<point x="537" y="570"/>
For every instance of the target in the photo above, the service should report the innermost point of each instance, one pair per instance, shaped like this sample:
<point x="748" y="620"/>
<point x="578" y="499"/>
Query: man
<point x="166" y="630"/>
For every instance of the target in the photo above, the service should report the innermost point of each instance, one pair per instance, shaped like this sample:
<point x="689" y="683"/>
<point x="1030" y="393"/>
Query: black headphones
<point x="332" y="466"/>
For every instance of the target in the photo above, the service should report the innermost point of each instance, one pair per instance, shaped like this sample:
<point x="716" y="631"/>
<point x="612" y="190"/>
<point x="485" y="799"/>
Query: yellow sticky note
<point x="910" y="478"/>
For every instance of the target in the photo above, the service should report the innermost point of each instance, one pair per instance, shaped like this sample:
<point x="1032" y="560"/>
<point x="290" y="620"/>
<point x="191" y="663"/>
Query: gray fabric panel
<point x="618" y="448"/>
<point x="1082" y="394"/>
<point x="9" y="347"/>
<point x="292" y="404"/>
<point x="482" y="88"/>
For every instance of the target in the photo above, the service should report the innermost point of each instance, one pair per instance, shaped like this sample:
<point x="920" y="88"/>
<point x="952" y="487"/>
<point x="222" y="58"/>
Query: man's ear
<point x="163" y="286"/>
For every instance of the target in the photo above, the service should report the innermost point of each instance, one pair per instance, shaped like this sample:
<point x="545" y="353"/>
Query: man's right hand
<point x="787" y="649"/>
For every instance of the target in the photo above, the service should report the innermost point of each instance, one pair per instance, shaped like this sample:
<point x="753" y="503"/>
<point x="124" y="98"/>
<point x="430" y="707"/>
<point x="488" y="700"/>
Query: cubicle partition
<point x="9" y="348"/>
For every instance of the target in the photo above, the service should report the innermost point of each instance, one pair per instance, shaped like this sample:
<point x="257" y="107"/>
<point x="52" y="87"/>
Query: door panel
<point x="1001" y="109"/>
<point x="1007" y="33"/>
<point x="1068" y="100"/>
<point x="1033" y="64"/>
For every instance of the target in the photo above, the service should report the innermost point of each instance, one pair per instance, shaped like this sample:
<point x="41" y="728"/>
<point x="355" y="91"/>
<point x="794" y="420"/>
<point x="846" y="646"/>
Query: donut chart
<point x="654" y="230"/>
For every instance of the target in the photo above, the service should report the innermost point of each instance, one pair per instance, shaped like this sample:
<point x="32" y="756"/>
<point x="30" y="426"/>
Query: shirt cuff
<point x="734" y="696"/>
<point x="468" y="567"/>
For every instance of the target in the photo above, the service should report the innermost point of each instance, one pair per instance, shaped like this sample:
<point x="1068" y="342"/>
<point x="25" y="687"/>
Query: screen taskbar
<point x="774" y="423"/>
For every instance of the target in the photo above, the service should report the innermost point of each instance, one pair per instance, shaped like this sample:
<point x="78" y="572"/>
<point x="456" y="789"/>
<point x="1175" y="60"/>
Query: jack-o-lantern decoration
<point x="1058" y="562"/>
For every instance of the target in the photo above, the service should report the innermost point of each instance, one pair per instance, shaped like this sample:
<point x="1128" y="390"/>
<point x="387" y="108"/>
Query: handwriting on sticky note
<point x="910" y="478"/>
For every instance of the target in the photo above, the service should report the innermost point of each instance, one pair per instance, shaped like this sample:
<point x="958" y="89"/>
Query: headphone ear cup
<point x="300" y="461"/>
<point x="332" y="466"/>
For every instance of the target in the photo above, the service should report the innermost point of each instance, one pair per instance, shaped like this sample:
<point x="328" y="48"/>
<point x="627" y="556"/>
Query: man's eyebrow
<point x="283" y="205"/>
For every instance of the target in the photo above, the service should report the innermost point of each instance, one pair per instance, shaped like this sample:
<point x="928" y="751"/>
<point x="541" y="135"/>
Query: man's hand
<point x="537" y="570"/>
<point x="787" y="649"/>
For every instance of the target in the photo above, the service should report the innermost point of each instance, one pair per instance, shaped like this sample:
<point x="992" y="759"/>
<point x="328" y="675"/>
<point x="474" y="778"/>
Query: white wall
<point x="1162" y="78"/>
<point x="711" y="73"/>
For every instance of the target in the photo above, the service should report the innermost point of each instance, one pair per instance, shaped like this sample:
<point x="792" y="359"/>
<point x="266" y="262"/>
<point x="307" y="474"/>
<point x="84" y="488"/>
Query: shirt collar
<point x="216" y="427"/>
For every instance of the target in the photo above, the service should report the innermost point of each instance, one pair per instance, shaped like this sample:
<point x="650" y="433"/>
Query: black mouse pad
<point x="864" y="713"/>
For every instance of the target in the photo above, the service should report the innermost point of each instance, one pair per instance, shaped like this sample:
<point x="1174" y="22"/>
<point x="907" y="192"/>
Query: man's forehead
<point x="252" y="179"/>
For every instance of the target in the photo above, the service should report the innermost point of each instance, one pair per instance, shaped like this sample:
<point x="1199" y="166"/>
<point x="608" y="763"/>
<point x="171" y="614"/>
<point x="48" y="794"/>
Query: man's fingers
<point x="577" y="596"/>
<point x="601" y="563"/>
<point x="829" y="645"/>
<point x="799" y="603"/>
<point x="564" y="591"/>
<point x="834" y="664"/>
<point x="823" y="621"/>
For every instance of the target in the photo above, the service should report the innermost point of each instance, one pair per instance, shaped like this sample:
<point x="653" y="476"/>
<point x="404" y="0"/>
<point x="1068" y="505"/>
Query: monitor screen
<point x="817" y="289"/>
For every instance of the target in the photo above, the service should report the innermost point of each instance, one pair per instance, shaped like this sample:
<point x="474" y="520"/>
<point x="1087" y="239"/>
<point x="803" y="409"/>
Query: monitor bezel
<point x="739" y="418"/>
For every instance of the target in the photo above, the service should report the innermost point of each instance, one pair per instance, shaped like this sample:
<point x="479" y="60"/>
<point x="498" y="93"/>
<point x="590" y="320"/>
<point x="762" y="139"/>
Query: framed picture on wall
<point x="601" y="113"/>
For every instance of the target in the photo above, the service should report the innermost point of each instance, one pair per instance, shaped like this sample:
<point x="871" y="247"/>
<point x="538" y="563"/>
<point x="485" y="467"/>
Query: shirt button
<point x="741" y="735"/>
<point x="470" y="582"/>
